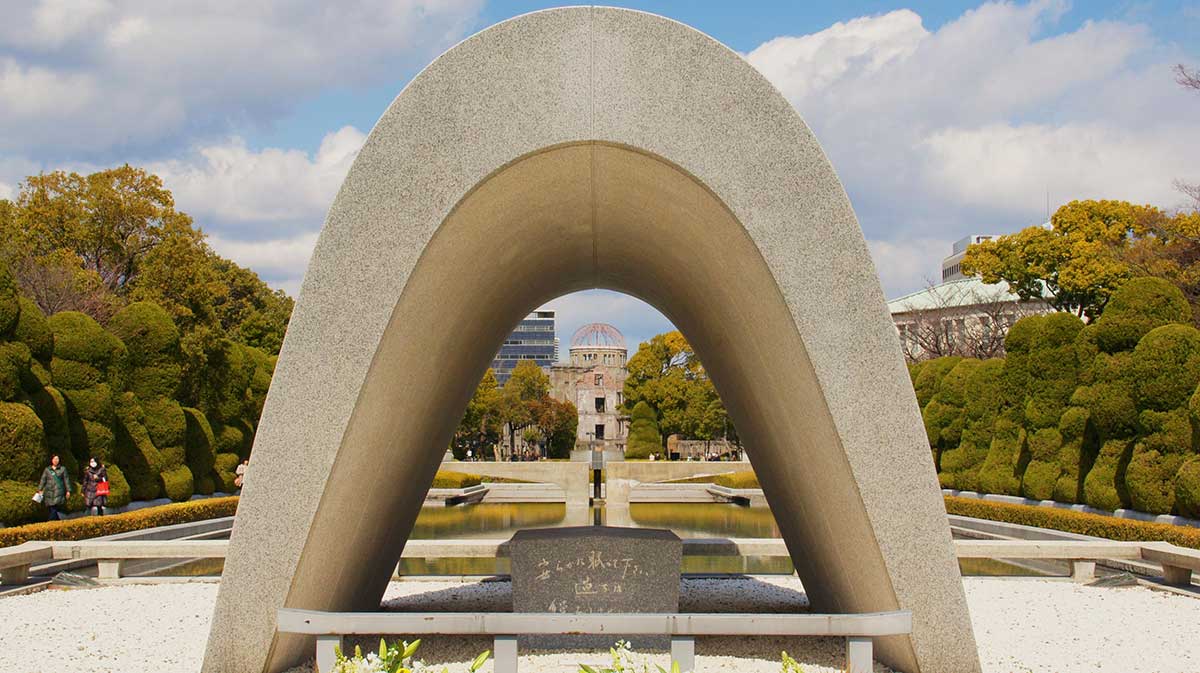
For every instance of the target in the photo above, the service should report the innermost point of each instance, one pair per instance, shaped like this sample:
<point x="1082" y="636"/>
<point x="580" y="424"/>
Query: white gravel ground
<point x="1022" y="626"/>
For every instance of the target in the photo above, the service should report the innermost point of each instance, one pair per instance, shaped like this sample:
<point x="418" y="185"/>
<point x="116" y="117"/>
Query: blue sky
<point x="942" y="118"/>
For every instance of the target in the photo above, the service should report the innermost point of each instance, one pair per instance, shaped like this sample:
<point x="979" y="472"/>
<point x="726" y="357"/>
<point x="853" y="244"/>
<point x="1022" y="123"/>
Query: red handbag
<point x="102" y="488"/>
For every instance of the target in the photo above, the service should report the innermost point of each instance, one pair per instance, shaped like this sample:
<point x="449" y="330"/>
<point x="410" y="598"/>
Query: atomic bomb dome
<point x="598" y="343"/>
<point x="597" y="335"/>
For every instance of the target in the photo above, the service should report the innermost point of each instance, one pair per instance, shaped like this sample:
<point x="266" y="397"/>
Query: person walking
<point x="54" y="488"/>
<point x="95" y="487"/>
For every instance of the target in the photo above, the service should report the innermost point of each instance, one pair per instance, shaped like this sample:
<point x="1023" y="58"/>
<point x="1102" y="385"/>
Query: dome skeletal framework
<point x="597" y="335"/>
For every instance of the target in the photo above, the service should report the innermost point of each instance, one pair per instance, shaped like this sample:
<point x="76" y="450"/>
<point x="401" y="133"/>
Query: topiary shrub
<point x="77" y="337"/>
<point x="945" y="414"/>
<point x="33" y="330"/>
<point x="14" y="368"/>
<point x="1136" y="308"/>
<point x="929" y="379"/>
<point x="10" y="306"/>
<point x="96" y="526"/>
<point x="960" y="464"/>
<point x="177" y="483"/>
<point x="119" y="493"/>
<point x="1001" y="471"/>
<point x="1110" y="407"/>
<point x="1104" y="486"/>
<point x="137" y="456"/>
<point x="164" y="420"/>
<point x="644" y="437"/>
<point x="450" y="479"/>
<point x="1042" y="473"/>
<point x="148" y="332"/>
<point x="223" y="472"/>
<point x="1165" y="367"/>
<point x="1078" y="452"/>
<point x="1187" y="488"/>
<point x="51" y="408"/>
<point x="1165" y="445"/>
<point x="198" y="444"/>
<point x="22" y="443"/>
<point x="17" y="505"/>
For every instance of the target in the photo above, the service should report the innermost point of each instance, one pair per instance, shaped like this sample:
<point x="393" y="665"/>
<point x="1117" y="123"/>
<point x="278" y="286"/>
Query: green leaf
<point x="411" y="648"/>
<point x="480" y="660"/>
<point x="587" y="669"/>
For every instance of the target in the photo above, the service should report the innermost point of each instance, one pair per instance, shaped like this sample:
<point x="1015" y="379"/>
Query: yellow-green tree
<point x="666" y="374"/>
<point x="525" y="388"/>
<point x="482" y="420"/>
<point x="1075" y="265"/>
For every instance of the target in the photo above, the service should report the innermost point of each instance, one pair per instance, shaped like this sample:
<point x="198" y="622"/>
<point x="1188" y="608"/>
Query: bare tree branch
<point x="1190" y="191"/>
<point x="1189" y="79"/>
<point x="963" y="321"/>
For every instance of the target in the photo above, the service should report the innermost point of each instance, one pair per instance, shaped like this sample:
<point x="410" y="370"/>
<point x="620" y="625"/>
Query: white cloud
<point x="276" y="189"/>
<point x="90" y="75"/>
<point x="940" y="134"/>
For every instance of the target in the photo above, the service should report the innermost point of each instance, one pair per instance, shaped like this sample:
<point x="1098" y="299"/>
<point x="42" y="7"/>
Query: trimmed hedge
<point x="97" y="526"/>
<point x="1137" y="307"/>
<point x="22" y="444"/>
<point x="449" y="479"/>
<point x="33" y="330"/>
<point x="10" y="307"/>
<point x="644" y="437"/>
<point x="1083" y="523"/>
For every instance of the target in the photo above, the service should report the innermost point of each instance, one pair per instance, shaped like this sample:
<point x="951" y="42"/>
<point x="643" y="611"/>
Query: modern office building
<point x="952" y="265"/>
<point x="532" y="339"/>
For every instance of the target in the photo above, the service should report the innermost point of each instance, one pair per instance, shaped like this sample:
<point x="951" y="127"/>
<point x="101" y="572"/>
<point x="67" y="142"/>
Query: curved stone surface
<point x="562" y="150"/>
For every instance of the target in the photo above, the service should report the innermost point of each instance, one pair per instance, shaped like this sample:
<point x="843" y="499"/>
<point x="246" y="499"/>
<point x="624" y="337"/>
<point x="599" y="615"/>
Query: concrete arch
<point x="562" y="150"/>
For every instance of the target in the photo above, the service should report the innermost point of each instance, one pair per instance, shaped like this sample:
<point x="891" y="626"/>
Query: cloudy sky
<point x="943" y="119"/>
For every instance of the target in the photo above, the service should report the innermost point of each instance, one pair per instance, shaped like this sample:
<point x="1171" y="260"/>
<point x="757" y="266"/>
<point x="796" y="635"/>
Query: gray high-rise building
<point x="532" y="339"/>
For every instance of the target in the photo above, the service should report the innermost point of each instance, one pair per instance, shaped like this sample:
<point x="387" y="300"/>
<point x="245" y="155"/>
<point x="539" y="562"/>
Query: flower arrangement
<point x="394" y="658"/>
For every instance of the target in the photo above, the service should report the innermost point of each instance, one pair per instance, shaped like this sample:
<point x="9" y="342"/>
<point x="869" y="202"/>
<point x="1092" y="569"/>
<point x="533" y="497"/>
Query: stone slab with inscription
<point x="595" y="569"/>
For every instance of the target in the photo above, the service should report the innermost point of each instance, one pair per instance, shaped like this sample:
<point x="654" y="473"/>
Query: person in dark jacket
<point x="93" y="474"/>
<point x="55" y="488"/>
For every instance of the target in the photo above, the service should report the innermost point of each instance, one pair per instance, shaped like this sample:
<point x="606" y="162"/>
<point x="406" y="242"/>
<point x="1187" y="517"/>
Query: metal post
<point x="683" y="652"/>
<point x="859" y="655"/>
<point x="504" y="651"/>
<point x="327" y="646"/>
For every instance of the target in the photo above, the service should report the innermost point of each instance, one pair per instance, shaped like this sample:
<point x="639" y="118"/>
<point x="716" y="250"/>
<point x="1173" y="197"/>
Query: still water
<point x="688" y="520"/>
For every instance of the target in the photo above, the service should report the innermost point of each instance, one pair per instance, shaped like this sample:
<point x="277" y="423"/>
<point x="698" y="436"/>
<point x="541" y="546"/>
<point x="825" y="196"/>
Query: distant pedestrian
<point x="54" y="488"/>
<point x="240" y="479"/>
<point x="95" y="487"/>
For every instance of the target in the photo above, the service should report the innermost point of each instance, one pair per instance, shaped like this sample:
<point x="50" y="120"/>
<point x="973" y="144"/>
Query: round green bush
<point x="1138" y="306"/>
<point x="929" y="380"/>
<point x="1166" y="367"/>
<point x="171" y="457"/>
<point x="229" y="439"/>
<point x="1076" y="455"/>
<point x="1043" y="470"/>
<point x="1187" y="488"/>
<point x="1110" y="407"/>
<point x="34" y="331"/>
<point x="17" y="505"/>
<point x="1001" y="470"/>
<point x="156" y="381"/>
<point x="72" y="375"/>
<point x="149" y="333"/>
<point x="80" y="338"/>
<point x="94" y="404"/>
<point x="164" y="420"/>
<point x="22" y="443"/>
<point x="177" y="483"/>
<point x="10" y="306"/>
<point x="205" y="485"/>
<point x="224" y="471"/>
<point x="14" y="368"/>
<point x="1104" y="486"/>
<point x="1150" y="480"/>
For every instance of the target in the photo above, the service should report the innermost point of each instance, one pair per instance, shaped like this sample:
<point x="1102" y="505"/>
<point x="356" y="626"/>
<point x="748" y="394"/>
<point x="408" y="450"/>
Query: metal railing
<point x="859" y="630"/>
